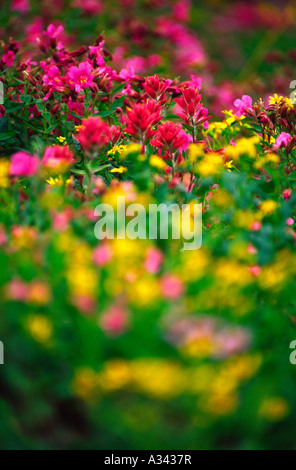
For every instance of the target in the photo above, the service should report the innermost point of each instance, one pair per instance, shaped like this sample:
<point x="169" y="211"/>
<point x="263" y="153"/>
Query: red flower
<point x="192" y="111"/>
<point x="155" y="88"/>
<point x="94" y="134"/>
<point x="141" y="118"/>
<point x="170" y="138"/>
<point x="57" y="159"/>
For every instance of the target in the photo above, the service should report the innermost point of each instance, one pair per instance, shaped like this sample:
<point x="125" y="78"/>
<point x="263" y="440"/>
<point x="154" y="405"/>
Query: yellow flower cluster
<point x="244" y="146"/>
<point x="215" y="385"/>
<point x="211" y="165"/>
<point x="117" y="149"/>
<point x="4" y="173"/>
<point x="40" y="328"/>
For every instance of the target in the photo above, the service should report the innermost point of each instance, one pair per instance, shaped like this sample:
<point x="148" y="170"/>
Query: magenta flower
<point x="80" y="77"/>
<point x="52" y="79"/>
<point x="8" y="58"/>
<point x="52" y="32"/>
<point x="22" y="6"/>
<point x="287" y="193"/>
<point x="245" y="103"/>
<point x="23" y="164"/>
<point x="282" y="140"/>
<point x="171" y="286"/>
<point x="57" y="159"/>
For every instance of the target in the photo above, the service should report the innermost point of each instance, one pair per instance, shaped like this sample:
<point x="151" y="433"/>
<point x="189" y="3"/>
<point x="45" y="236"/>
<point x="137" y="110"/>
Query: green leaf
<point x="6" y="135"/>
<point x="117" y="103"/>
<point x="10" y="107"/>
<point x="78" y="172"/>
<point x="76" y="115"/>
<point x="118" y="88"/>
<point x="100" y="168"/>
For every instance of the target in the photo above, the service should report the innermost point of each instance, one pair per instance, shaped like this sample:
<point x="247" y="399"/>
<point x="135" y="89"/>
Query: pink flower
<point x="290" y="221"/>
<point x="57" y="159"/>
<point x="85" y="304"/>
<point x="102" y="254"/>
<point x="287" y="193"/>
<point x="256" y="226"/>
<point x="22" y="6"/>
<point x="60" y="220"/>
<point x="52" y="79"/>
<point x="181" y="11"/>
<point x="23" y="164"/>
<point x="17" y="290"/>
<point x="254" y="270"/>
<point x="282" y="140"/>
<point x="89" y="7"/>
<point x="153" y="260"/>
<point x="114" y="321"/>
<point x="96" y="52"/>
<point x="8" y="58"/>
<point x="3" y="236"/>
<point x="196" y="81"/>
<point x="252" y="249"/>
<point x="80" y="77"/>
<point x="171" y="287"/>
<point x="53" y="32"/>
<point x="244" y="104"/>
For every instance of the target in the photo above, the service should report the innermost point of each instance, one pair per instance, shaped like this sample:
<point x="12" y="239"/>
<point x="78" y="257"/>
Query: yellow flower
<point x="220" y="403"/>
<point x="62" y="140"/>
<point x="222" y="198"/>
<point x="157" y="162"/>
<point x="24" y="237"/>
<point x="242" y="367"/>
<point x="274" y="409"/>
<point x="86" y="384"/>
<point x="272" y="277"/>
<point x="243" y="147"/>
<point x="194" y="264"/>
<point x="130" y="149"/>
<point x="273" y="158"/>
<point x="243" y="218"/>
<point x="82" y="280"/>
<point x="228" y="165"/>
<point x="4" y="173"/>
<point x="144" y="292"/>
<point x="200" y="378"/>
<point x="232" y="117"/>
<point x="268" y="207"/>
<point x="117" y="149"/>
<point x="121" y="169"/>
<point x="275" y="99"/>
<point x="289" y="103"/>
<point x="158" y="378"/>
<point x="200" y="347"/>
<point x="231" y="273"/>
<point x="211" y="165"/>
<point x="115" y="375"/>
<point x="195" y="152"/>
<point x="59" y="181"/>
<point x="78" y="128"/>
<point x="217" y="128"/>
<point x="40" y="328"/>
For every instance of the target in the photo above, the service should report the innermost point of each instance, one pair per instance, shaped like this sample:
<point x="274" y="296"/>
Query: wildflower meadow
<point x="138" y="337"/>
